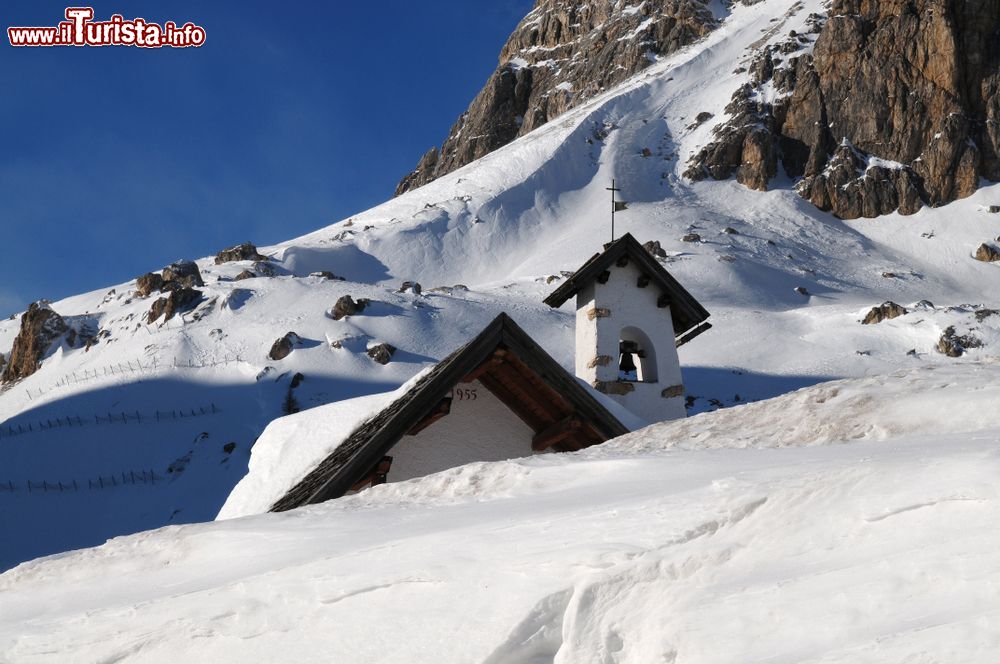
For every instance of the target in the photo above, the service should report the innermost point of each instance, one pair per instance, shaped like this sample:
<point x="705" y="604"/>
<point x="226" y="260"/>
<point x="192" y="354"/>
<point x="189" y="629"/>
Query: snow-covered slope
<point x="867" y="543"/>
<point x="501" y="226"/>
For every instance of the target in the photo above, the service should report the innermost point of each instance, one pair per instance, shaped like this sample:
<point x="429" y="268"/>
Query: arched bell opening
<point x="636" y="357"/>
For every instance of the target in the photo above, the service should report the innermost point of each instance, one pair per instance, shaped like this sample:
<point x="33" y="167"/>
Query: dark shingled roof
<point x="508" y="363"/>
<point x="687" y="312"/>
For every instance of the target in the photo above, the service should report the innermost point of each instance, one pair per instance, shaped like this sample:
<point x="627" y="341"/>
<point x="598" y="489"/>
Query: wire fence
<point x="13" y="429"/>
<point x="101" y="483"/>
<point x="129" y="367"/>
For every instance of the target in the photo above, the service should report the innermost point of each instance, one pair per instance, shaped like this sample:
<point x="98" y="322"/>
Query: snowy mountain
<point x="130" y="424"/>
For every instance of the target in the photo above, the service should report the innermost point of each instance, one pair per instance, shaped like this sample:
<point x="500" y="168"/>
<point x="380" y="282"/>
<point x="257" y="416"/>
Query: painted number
<point x="466" y="394"/>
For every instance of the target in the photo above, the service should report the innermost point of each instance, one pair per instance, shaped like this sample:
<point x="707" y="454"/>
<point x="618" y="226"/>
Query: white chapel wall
<point x="632" y="306"/>
<point x="479" y="428"/>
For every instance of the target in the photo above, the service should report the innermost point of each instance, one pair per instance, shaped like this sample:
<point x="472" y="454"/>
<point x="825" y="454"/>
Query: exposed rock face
<point x="282" y="348"/>
<point x="40" y="327"/>
<point x="885" y="311"/>
<point x="185" y="273"/>
<point x="562" y="53"/>
<point x="176" y="300"/>
<point x="382" y="353"/>
<point x="898" y="106"/>
<point x="241" y="252"/>
<point x="245" y="274"/>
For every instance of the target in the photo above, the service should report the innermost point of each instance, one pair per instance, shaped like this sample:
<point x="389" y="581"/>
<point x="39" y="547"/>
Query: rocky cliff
<point x="40" y="327"/>
<point x="896" y="106"/>
<point x="562" y="53"/>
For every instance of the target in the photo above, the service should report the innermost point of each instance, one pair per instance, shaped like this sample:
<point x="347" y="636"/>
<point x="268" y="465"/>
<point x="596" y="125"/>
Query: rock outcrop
<point x="954" y="345"/>
<point x="885" y="311"/>
<point x="283" y="347"/>
<point x="563" y="53"/>
<point x="147" y="284"/>
<point x="241" y="252"/>
<point x="898" y="106"/>
<point x="347" y="306"/>
<point x="178" y="298"/>
<point x="184" y="273"/>
<point x="40" y="327"/>
<point x="987" y="253"/>
<point x="382" y="353"/>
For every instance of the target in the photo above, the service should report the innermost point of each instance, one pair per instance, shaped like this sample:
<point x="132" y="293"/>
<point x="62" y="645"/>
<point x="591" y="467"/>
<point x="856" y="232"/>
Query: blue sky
<point x="116" y="161"/>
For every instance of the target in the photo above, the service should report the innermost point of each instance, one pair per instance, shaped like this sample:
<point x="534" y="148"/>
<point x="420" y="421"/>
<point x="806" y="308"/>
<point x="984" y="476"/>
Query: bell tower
<point x="631" y="317"/>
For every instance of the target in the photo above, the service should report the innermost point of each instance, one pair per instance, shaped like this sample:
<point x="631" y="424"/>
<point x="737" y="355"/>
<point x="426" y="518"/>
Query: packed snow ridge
<point x="674" y="544"/>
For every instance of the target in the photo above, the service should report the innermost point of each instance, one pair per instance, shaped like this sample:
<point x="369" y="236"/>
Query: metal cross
<point x="614" y="207"/>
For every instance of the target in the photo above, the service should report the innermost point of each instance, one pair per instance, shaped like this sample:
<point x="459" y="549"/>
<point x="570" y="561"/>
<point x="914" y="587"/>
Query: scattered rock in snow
<point x="183" y="272"/>
<point x="282" y="348"/>
<point x="654" y="248"/>
<point x="241" y="252"/>
<point x="229" y="447"/>
<point x="297" y="380"/>
<point x="691" y="237"/>
<point x="178" y="465"/>
<point x="646" y="152"/>
<point x="729" y="230"/>
<point x="347" y="306"/>
<point x="994" y="209"/>
<point x="987" y="253"/>
<point x="802" y="290"/>
<point x="263" y="269"/>
<point x="953" y="345"/>
<point x="700" y="119"/>
<point x="885" y="311"/>
<point x="890" y="275"/>
<point x="40" y="327"/>
<point x="551" y="278"/>
<point x="924" y="305"/>
<point x="382" y="353"/>
<point x="983" y="314"/>
<point x="324" y="274"/>
<point x="411" y="286"/>
<point x="245" y="274"/>
<point x="148" y="283"/>
<point x="177" y="299"/>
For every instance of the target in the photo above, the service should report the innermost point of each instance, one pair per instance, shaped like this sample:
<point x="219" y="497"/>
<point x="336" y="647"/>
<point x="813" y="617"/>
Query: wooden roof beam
<point x="558" y="432"/>
<point x="500" y="391"/>
<point x="545" y="402"/>
<point x="488" y="365"/>
<point x="442" y="408"/>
